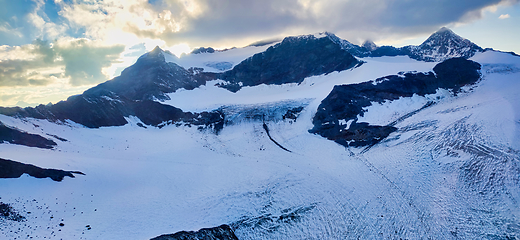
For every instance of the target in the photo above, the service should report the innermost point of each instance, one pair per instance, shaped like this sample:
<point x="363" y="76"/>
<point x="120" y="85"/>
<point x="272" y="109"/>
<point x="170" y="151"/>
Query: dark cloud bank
<point x="353" y="20"/>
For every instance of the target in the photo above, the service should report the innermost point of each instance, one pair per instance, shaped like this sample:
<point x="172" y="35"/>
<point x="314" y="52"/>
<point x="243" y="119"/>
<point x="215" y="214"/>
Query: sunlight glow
<point x="179" y="49"/>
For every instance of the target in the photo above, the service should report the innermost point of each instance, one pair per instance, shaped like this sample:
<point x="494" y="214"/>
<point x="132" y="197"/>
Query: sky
<point x="53" y="49"/>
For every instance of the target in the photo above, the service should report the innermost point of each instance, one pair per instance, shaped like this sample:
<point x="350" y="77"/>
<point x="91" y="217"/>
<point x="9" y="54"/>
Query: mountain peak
<point x="157" y="49"/>
<point x="444" y="29"/>
<point x="369" y="45"/>
<point x="445" y="44"/>
<point x="444" y="36"/>
<point x="156" y="55"/>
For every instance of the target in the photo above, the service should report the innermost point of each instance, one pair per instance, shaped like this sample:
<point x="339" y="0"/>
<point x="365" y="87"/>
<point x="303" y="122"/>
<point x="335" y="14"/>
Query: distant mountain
<point x="202" y="50"/>
<point x="369" y="45"/>
<point x="441" y="45"/>
<point x="140" y="87"/>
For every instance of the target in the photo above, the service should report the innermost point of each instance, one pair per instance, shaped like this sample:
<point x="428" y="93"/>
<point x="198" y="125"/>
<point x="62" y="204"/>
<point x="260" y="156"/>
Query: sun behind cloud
<point x="179" y="49"/>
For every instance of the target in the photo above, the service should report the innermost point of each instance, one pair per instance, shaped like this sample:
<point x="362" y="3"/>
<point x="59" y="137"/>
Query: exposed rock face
<point x="15" y="136"/>
<point x="290" y="61"/>
<point x="12" y="169"/>
<point x="223" y="232"/>
<point x="346" y="102"/>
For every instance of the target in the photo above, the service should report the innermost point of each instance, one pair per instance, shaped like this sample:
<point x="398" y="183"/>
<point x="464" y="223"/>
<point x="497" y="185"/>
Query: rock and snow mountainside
<point x="290" y="61"/>
<point x="155" y="74"/>
<point x="442" y="45"/>
<point x="131" y="94"/>
<point x="444" y="162"/>
<point x="336" y="118"/>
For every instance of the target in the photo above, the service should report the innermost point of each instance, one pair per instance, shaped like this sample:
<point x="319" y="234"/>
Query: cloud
<point x="84" y="60"/>
<point x="41" y="63"/>
<point x="504" y="16"/>
<point x="235" y="22"/>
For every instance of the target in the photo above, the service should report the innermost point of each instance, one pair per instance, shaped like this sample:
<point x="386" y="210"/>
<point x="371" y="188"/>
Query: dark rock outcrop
<point x="290" y="61"/>
<point x="12" y="169"/>
<point x="15" y="136"/>
<point x="346" y="102"/>
<point x="95" y="112"/>
<point x="223" y="232"/>
<point x="7" y="212"/>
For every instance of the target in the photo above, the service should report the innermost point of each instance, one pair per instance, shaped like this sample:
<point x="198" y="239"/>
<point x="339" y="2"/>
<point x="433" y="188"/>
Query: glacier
<point x="450" y="171"/>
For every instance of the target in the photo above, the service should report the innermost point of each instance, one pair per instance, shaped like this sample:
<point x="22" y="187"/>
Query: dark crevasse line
<point x="269" y="135"/>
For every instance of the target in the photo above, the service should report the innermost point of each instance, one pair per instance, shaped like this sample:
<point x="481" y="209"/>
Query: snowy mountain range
<point x="310" y="137"/>
<point x="441" y="45"/>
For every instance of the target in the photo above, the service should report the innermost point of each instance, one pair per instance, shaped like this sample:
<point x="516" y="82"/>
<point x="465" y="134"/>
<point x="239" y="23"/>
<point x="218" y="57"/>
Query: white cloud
<point x="127" y="22"/>
<point x="504" y="16"/>
<point x="77" y="61"/>
<point x="5" y="27"/>
<point x="47" y="28"/>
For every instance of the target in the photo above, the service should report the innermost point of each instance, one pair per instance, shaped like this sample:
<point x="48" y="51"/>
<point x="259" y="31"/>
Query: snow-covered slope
<point x="450" y="171"/>
<point x="217" y="61"/>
